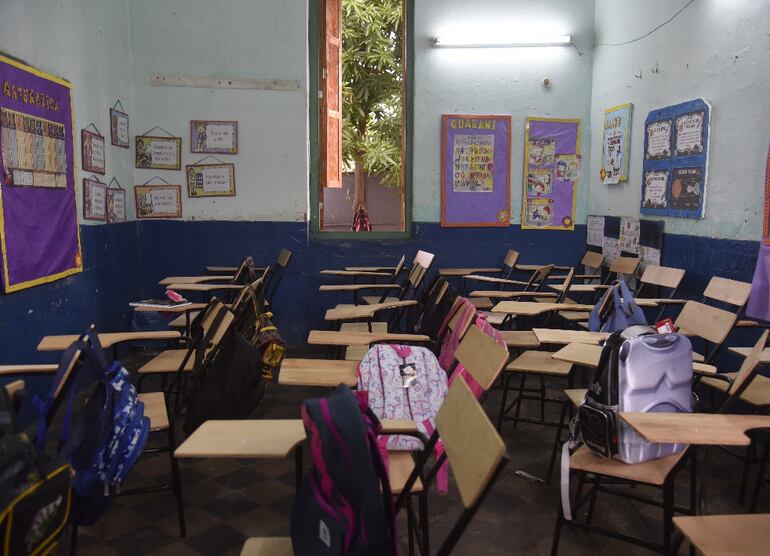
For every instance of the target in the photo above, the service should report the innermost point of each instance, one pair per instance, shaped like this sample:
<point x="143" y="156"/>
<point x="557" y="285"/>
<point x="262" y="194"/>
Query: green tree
<point x="371" y="92"/>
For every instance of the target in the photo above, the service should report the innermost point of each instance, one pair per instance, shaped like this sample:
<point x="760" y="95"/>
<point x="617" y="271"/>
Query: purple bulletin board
<point x="551" y="171"/>
<point x="39" y="236"/>
<point x="475" y="170"/>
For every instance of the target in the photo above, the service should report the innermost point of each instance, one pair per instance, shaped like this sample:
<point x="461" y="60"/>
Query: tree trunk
<point x="359" y="182"/>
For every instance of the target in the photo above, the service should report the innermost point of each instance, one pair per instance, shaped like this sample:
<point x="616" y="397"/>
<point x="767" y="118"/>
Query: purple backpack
<point x="345" y="505"/>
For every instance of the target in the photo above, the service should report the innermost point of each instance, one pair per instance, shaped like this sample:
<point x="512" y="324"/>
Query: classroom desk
<point x="355" y="273"/>
<point x="718" y="535"/>
<point x="364" y="311"/>
<point x="194" y="279"/>
<point x="533" y="267"/>
<point x="175" y="309"/>
<point x="317" y="372"/>
<point x="243" y="438"/>
<point x="371" y="268"/>
<point x="555" y="336"/>
<point x="27" y="369"/>
<point x="343" y="338"/>
<point x="107" y="339"/>
<point x="230" y="269"/>
<point x="203" y="287"/>
<point x="502" y="294"/>
<point x="764" y="357"/>
<point x="588" y="355"/>
<point x="531" y="308"/>
<point x="468" y="270"/>
<point x="701" y="429"/>
<point x="579" y="288"/>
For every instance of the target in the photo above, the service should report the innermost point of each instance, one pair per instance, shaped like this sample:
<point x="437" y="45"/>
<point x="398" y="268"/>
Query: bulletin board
<point x="39" y="237"/>
<point x="475" y="171"/>
<point x="616" y="236"/>
<point x="675" y="163"/>
<point x="551" y="172"/>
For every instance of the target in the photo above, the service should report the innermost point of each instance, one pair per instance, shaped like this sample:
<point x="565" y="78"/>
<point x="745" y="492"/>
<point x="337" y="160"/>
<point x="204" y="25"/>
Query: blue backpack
<point x="103" y="440"/>
<point x="616" y="310"/>
<point x="345" y="505"/>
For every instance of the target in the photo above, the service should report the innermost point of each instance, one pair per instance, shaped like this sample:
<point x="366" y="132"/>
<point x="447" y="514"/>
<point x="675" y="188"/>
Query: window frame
<point x="314" y="128"/>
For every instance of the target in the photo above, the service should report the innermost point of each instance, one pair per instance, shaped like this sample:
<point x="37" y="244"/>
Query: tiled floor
<point x="227" y="501"/>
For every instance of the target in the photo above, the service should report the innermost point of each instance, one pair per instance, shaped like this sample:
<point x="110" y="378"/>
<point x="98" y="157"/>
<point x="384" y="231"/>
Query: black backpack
<point x="435" y="312"/>
<point x="35" y="492"/>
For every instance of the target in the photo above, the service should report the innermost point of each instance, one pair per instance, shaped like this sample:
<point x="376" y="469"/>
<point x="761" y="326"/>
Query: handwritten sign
<point x="94" y="200"/>
<point x="158" y="153"/>
<point x="118" y="128"/>
<point x="92" y="148"/>
<point x="116" y="205"/>
<point x="215" y="137"/>
<point x="211" y="180"/>
<point x="158" y="201"/>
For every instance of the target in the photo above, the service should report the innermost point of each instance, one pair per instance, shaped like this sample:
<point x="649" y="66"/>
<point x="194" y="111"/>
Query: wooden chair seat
<point x="495" y="319"/>
<point x="357" y="352"/>
<point x="27" y="369"/>
<point x="651" y="472"/>
<point x="375" y="299"/>
<point x="155" y="410"/>
<point x="243" y="439"/>
<point x="698" y="357"/>
<point x="520" y="338"/>
<point x="576" y="395"/>
<point x="539" y="362"/>
<point x="720" y="535"/>
<point x="757" y="394"/>
<point x="400" y="466"/>
<point x="574" y="316"/>
<point x="317" y="372"/>
<point x="167" y="361"/>
<point x="267" y="546"/>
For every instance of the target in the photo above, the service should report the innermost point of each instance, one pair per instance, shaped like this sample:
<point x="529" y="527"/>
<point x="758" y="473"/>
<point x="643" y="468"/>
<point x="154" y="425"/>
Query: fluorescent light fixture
<point x="508" y="42"/>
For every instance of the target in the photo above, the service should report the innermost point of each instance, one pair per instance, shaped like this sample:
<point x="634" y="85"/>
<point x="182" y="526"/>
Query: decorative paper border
<point x="191" y="190"/>
<point x="114" y="116"/>
<point x="143" y="139"/>
<point x="193" y="137"/>
<point x="143" y="216"/>
<point x="86" y="205"/>
<point x="88" y="165"/>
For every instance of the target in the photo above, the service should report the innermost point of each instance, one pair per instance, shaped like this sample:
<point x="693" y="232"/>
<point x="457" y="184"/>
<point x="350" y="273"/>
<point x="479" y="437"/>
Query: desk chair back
<point x="747" y="372"/>
<point x="592" y="259"/>
<point x="276" y="275"/>
<point x="625" y="266"/>
<point x="731" y="292"/>
<point x="709" y="323"/>
<point x="538" y="278"/>
<point x="509" y="264"/>
<point x="660" y="282"/>
<point x="453" y="330"/>
<point x="424" y="259"/>
<point x="479" y="359"/>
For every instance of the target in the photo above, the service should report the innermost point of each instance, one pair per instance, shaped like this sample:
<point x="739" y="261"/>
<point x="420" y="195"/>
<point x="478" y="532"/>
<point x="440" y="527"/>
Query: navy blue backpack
<point x="345" y="505"/>
<point x="616" y="310"/>
<point x="104" y="438"/>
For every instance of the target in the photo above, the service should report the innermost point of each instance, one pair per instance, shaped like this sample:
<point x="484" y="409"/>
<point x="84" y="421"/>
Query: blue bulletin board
<point x="675" y="162"/>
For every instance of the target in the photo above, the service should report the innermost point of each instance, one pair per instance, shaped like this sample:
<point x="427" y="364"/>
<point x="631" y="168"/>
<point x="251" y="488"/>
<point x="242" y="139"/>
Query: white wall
<point x="716" y="49"/>
<point x="497" y="81"/>
<point x="86" y="42"/>
<point x="245" y="39"/>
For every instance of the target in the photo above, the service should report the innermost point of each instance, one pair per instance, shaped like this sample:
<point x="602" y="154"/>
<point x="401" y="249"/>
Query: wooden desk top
<point x="371" y="268"/>
<point x="764" y="357"/>
<point x="243" y="438"/>
<point x="364" y="311"/>
<point x="177" y="309"/>
<point x="203" y="287"/>
<point x="230" y="269"/>
<point x="107" y="339"/>
<point x="704" y="429"/>
<point x="343" y="338"/>
<point x="355" y="273"/>
<point x="531" y="308"/>
<point x="579" y="288"/>
<point x="588" y="355"/>
<point x="356" y="287"/>
<point x="554" y="336"/>
<point x="464" y="271"/>
<point x="720" y="535"/>
<point x="502" y="294"/>
<point x="194" y="279"/>
<point x="27" y="369"/>
<point x="317" y="372"/>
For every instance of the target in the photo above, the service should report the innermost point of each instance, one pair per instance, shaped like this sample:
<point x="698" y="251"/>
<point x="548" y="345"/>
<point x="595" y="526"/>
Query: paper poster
<point x="158" y="201"/>
<point x="552" y="168"/>
<point x="689" y="133"/>
<point x="119" y="128"/>
<point x="595" y="231"/>
<point x="158" y="153"/>
<point x="39" y="240"/>
<point x="116" y="206"/>
<point x="629" y="234"/>
<point x="211" y="180"/>
<point x="654" y="189"/>
<point x="539" y="213"/>
<point x="214" y="137"/>
<point x="649" y="256"/>
<point x="94" y="200"/>
<point x="92" y="149"/>
<point x="475" y="170"/>
<point x="617" y="136"/>
<point x="658" y="140"/>
<point x="567" y="168"/>
<point x="610" y="249"/>
<point x="539" y="183"/>
<point x="674" y="181"/>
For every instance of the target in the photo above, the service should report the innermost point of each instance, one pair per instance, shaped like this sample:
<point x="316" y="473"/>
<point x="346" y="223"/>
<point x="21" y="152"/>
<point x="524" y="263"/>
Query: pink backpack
<point x="383" y="373"/>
